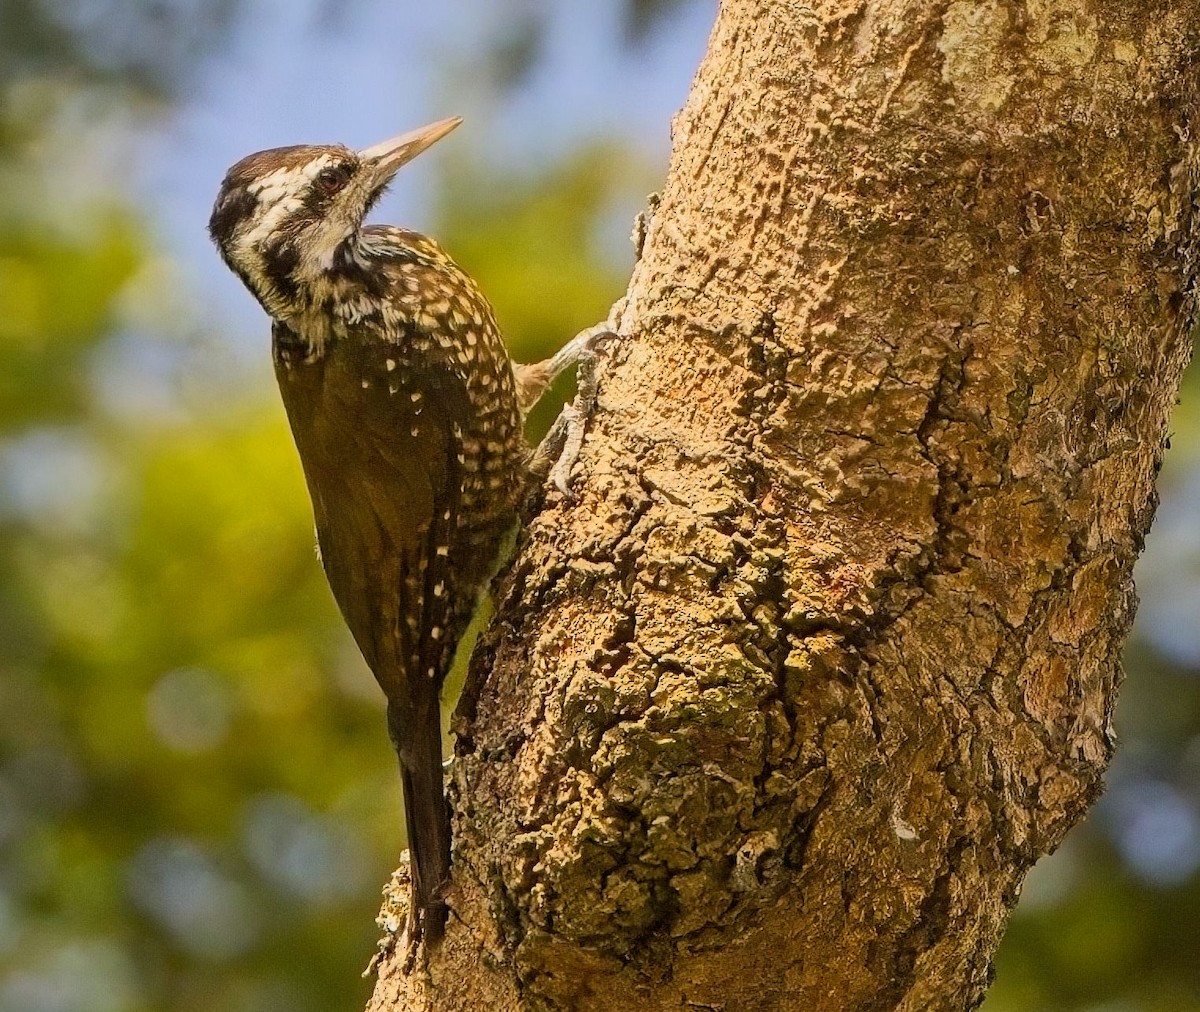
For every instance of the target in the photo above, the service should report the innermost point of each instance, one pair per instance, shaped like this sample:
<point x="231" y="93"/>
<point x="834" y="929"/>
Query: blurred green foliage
<point x="198" y="804"/>
<point x="54" y="299"/>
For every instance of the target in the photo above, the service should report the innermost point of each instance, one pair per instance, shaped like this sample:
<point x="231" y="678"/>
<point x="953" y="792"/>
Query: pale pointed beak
<point x="384" y="159"/>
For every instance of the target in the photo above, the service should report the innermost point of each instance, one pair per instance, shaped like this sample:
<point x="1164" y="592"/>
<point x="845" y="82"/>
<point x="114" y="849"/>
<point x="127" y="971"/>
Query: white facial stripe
<point x="279" y="195"/>
<point x="266" y="224"/>
<point x="290" y="176"/>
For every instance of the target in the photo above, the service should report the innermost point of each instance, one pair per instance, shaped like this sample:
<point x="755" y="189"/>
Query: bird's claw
<point x="555" y="456"/>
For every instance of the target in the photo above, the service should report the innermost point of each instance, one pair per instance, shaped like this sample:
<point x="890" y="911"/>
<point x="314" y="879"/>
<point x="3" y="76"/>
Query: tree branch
<point x="778" y="712"/>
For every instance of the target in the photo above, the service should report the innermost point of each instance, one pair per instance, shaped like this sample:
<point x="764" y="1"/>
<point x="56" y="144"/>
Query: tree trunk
<point x="780" y="710"/>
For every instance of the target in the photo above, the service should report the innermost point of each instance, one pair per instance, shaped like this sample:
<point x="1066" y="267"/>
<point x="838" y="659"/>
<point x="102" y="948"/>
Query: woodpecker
<point x="408" y="416"/>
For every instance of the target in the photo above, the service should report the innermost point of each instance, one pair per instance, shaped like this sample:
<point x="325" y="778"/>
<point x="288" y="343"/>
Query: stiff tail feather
<point x="427" y="819"/>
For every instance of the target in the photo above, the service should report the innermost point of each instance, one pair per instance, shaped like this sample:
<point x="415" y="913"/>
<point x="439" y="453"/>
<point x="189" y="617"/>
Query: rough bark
<point x="779" y="711"/>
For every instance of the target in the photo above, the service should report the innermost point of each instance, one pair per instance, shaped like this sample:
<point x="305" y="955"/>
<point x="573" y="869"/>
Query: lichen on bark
<point x="780" y="708"/>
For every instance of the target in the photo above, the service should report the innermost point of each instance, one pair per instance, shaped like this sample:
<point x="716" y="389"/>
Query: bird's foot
<point x="556" y="454"/>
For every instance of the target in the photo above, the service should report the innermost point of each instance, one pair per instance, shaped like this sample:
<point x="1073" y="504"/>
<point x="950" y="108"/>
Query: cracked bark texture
<point x="779" y="711"/>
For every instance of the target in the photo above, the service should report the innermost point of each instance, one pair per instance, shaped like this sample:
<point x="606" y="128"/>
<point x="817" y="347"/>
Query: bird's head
<point x="283" y="215"/>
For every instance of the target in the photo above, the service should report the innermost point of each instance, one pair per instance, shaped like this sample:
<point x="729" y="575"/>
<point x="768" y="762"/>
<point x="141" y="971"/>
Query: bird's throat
<point x="308" y="299"/>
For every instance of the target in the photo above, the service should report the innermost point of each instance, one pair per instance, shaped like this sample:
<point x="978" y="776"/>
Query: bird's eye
<point x="332" y="179"/>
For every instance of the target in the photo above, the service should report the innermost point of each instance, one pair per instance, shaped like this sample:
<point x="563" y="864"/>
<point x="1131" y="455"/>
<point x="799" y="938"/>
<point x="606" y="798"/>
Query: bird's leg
<point x="533" y="378"/>
<point x="557" y="452"/>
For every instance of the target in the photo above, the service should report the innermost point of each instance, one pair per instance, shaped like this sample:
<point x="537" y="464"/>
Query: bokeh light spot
<point x="189" y="709"/>
<point x="181" y="886"/>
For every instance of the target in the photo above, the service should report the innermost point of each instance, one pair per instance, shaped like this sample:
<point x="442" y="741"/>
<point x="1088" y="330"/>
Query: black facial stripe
<point x="232" y="206"/>
<point x="279" y="261"/>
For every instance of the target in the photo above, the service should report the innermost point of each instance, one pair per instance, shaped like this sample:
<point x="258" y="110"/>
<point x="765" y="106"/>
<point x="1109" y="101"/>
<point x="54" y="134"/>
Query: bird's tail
<point x="428" y="822"/>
